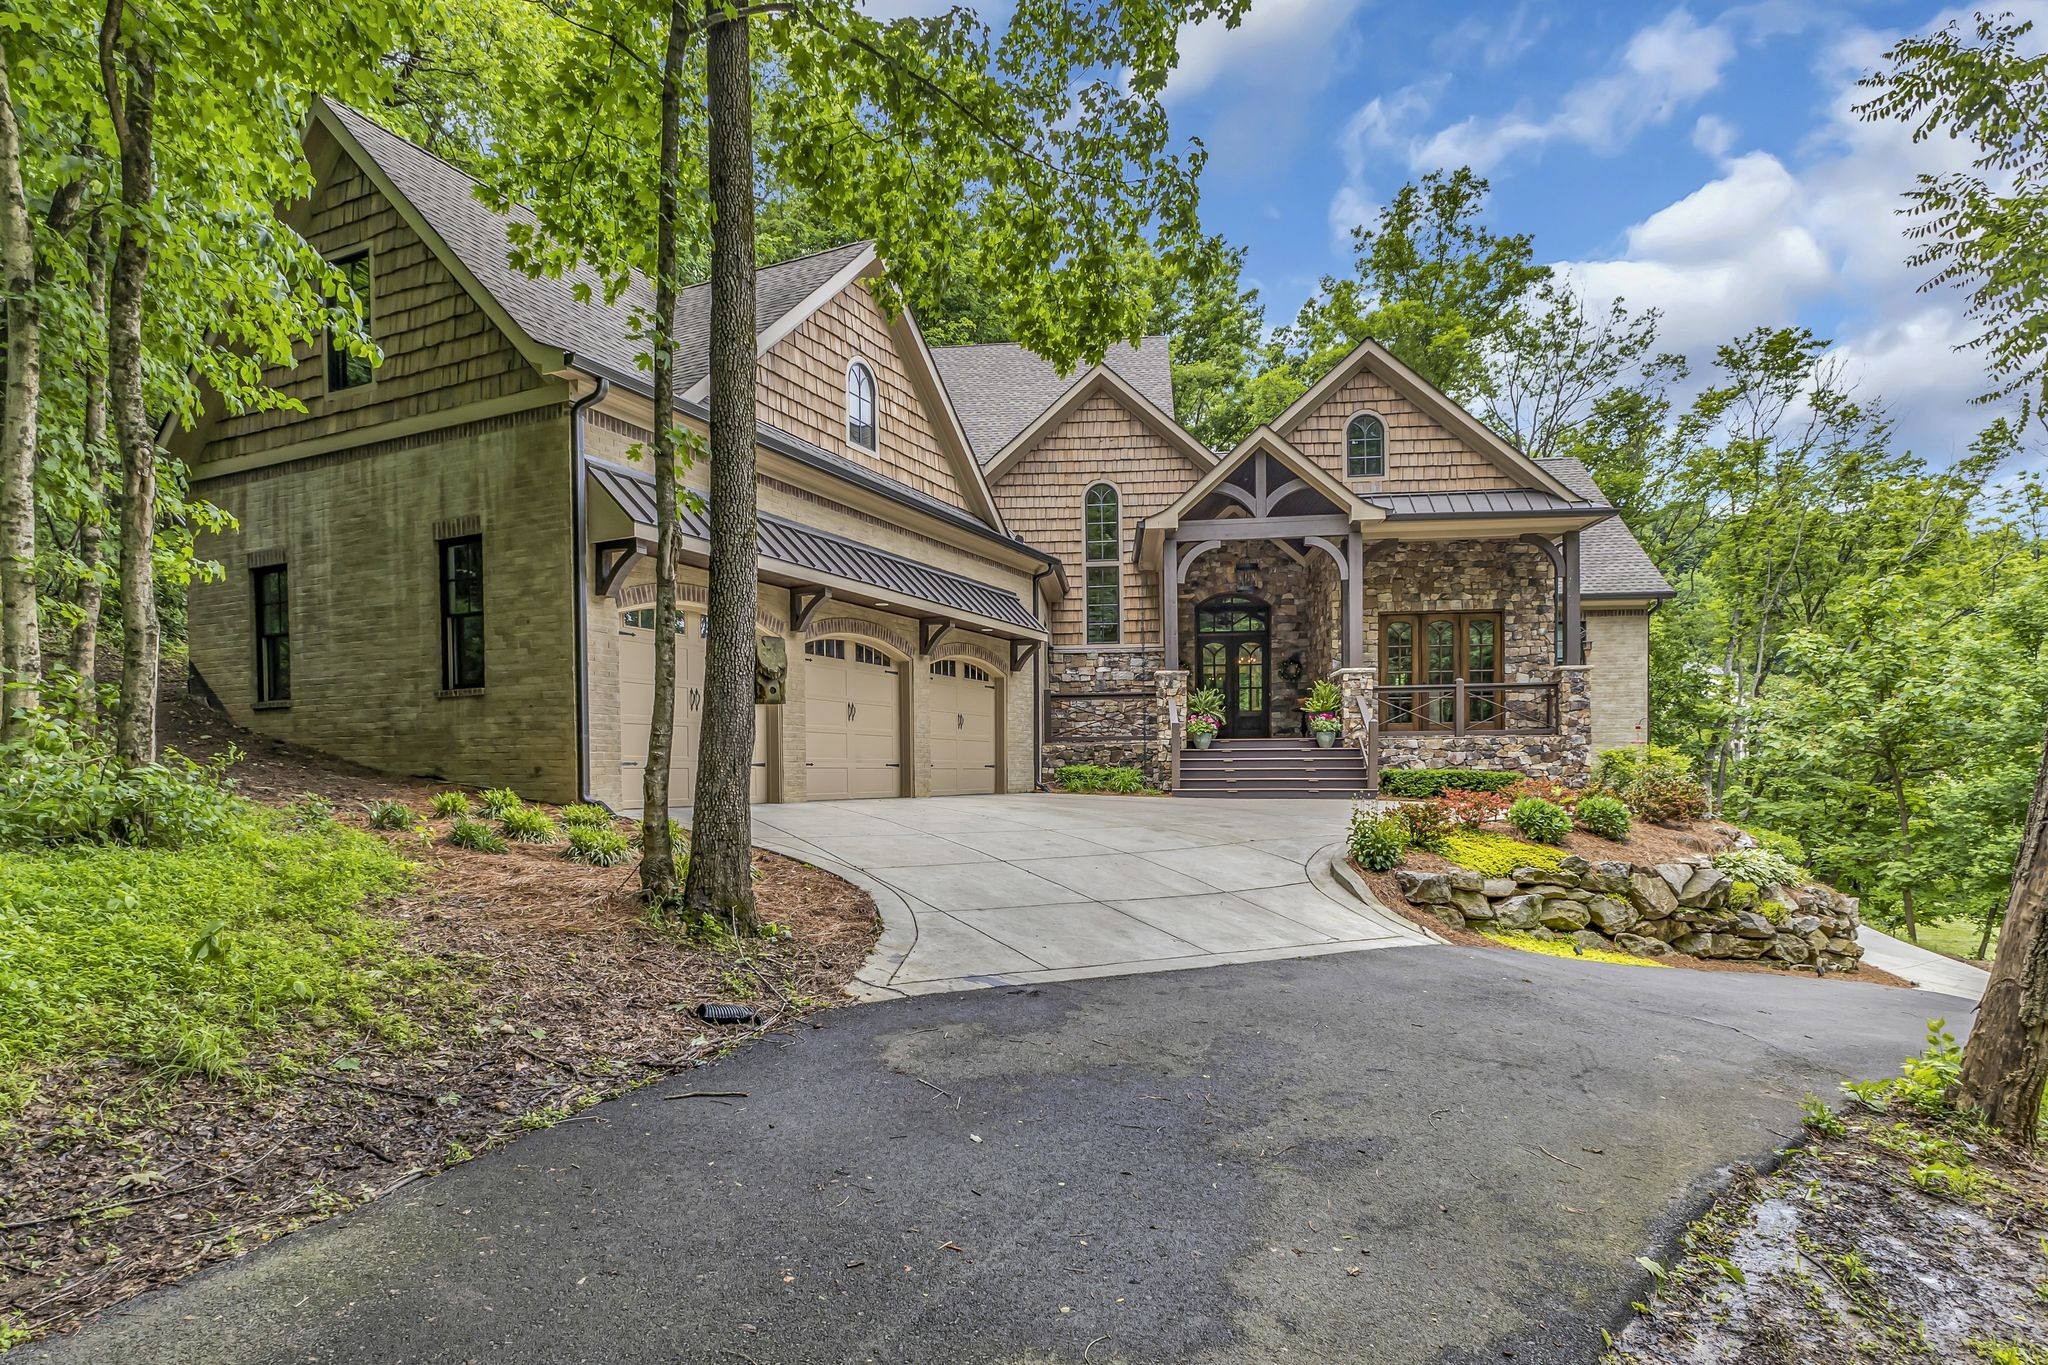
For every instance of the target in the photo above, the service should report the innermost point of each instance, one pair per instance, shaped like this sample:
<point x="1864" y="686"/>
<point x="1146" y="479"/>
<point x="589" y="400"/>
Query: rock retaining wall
<point x="1681" y="907"/>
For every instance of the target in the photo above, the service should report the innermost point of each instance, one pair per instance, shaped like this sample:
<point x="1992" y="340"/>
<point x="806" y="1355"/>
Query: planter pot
<point x="1325" y="738"/>
<point x="1201" y="741"/>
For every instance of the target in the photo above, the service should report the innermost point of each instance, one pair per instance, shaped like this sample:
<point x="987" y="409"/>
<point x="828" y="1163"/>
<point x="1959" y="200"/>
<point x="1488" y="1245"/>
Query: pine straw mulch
<point x="1646" y="843"/>
<point x="560" y="991"/>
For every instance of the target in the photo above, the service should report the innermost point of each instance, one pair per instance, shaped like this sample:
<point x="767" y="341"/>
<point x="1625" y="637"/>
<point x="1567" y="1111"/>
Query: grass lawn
<point x="1957" y="938"/>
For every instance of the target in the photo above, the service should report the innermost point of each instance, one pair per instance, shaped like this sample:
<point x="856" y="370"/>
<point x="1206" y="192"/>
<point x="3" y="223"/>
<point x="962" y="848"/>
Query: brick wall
<point x="1618" y="649"/>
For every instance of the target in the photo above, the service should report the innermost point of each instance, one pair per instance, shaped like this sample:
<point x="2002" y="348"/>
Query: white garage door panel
<point x="963" y="731"/>
<point x="853" y="724"/>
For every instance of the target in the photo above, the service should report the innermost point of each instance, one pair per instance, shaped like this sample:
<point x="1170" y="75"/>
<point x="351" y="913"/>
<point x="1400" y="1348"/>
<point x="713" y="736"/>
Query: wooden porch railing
<point x="1369" y="747"/>
<point x="1462" y="708"/>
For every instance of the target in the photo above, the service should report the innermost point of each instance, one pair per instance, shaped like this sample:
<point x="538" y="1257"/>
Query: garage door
<point x="853" y="721"/>
<point x="963" y="712"/>
<point x="636" y="708"/>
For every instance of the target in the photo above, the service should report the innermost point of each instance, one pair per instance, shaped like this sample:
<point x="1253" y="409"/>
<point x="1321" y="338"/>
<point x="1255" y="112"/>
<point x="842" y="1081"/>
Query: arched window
<point x="1102" y="539"/>
<point x="860" y="405"/>
<point x="1365" y="448"/>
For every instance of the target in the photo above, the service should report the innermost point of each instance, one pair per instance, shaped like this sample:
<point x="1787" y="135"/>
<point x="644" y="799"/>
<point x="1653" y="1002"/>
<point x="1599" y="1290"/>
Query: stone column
<point x="1575" y="722"/>
<point x="1171" y="726"/>
<point x="1357" y="686"/>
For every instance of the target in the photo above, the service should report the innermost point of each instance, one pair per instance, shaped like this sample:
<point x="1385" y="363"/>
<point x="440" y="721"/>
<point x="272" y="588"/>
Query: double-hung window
<point x="462" y="613"/>
<point x="273" y="634"/>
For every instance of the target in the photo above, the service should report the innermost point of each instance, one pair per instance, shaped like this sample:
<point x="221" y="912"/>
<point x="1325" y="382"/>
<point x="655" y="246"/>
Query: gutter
<point x="1040" y="658"/>
<point x="578" y="538"/>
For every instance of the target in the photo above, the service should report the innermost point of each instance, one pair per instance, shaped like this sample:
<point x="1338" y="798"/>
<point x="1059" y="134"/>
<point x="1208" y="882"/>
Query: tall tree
<point x="1989" y="239"/>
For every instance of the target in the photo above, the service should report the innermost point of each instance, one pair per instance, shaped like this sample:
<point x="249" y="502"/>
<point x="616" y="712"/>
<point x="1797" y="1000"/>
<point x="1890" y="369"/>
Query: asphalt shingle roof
<point x="548" y="309"/>
<point x="1612" y="563"/>
<point x="999" y="388"/>
<point x="801" y="547"/>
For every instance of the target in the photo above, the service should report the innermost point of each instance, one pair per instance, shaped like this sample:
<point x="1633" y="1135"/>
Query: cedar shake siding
<point x="440" y="350"/>
<point x="1422" y="457"/>
<point x="1040" y="499"/>
<point x="802" y="391"/>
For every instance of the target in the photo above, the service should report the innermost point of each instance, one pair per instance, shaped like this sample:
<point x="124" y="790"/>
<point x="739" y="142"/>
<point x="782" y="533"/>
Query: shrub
<point x="1556" y="793"/>
<point x="525" y="825"/>
<point x="1758" y="866"/>
<point x="1437" y="781"/>
<point x="1605" y="816"/>
<point x="1377" y="841"/>
<point x="1540" y="820"/>
<point x="475" y="836"/>
<point x="450" y="804"/>
<point x="1426" y="823"/>
<point x="1743" y="895"/>
<point x="390" y="815"/>
<point x="583" y="815"/>
<point x="1470" y="809"/>
<point x="1097" y="777"/>
<point x="58" y="787"/>
<point x="1784" y="845"/>
<point x="600" y="847"/>
<point x="498" y="801"/>
<point x="1496" y="855"/>
<point x="1656" y="782"/>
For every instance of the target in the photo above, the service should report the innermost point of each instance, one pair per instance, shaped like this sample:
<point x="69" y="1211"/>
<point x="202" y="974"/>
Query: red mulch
<point x="565" y="992"/>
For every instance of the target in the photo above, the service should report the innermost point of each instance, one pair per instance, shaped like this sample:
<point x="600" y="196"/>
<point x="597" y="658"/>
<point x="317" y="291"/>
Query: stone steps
<point x="1271" y="767"/>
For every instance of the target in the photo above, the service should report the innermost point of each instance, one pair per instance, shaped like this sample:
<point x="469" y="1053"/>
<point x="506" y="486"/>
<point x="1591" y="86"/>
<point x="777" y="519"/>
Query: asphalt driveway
<point x="1009" y="890"/>
<point x="1433" y="1154"/>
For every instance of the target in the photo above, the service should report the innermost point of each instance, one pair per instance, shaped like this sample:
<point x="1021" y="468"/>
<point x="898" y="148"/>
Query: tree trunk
<point x="21" y="652"/>
<point x="133" y="114"/>
<point x="657" y="851"/>
<point x="92" y="531"/>
<point x="1905" y="815"/>
<point x="721" y="880"/>
<point x="2005" y="1062"/>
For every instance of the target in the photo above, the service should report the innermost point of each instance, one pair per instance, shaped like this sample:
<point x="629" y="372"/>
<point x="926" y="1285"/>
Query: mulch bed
<point x="564" y="993"/>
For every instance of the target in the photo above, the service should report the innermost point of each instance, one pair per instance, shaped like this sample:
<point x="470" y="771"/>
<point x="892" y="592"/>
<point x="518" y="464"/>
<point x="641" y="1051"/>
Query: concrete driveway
<point x="1449" y="1156"/>
<point x="1008" y="890"/>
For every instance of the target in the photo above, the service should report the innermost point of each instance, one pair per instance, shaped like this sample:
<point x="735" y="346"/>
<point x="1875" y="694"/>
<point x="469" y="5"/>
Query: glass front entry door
<point x="1233" y="654"/>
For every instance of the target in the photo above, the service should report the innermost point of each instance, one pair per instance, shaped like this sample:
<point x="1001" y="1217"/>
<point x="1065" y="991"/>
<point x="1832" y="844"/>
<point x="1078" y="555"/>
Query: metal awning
<point x="807" y="554"/>
<point x="1502" y="502"/>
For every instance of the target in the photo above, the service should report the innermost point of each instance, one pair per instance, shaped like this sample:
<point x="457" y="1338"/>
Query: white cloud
<point x="1379" y="124"/>
<point x="1713" y="135"/>
<point x="1665" y="67"/>
<point x="1495" y="41"/>
<point x="1278" y="42"/>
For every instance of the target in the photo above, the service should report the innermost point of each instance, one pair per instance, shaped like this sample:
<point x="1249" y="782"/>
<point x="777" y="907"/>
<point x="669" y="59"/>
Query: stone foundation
<point x="1680" y="907"/>
<point x="1565" y="756"/>
<point x="1104" y="708"/>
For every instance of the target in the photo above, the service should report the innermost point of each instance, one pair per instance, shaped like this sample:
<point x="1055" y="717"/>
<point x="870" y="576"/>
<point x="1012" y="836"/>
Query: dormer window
<point x="860" y="405"/>
<point x="1365" y="448"/>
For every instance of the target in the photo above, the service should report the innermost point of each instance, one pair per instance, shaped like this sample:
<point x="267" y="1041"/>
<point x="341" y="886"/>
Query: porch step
<point x="1287" y="766"/>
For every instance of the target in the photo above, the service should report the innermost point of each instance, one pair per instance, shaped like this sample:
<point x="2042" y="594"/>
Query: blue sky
<point x="1700" y="160"/>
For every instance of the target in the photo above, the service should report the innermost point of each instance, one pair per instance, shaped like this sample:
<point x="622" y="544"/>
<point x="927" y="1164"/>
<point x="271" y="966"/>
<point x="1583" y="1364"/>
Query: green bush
<point x="1540" y="820"/>
<point x="499" y="801"/>
<point x="1605" y="816"/>
<point x="60" y="788"/>
<point x="586" y="816"/>
<point x="475" y="836"/>
<point x="1377" y="842"/>
<point x="448" y="804"/>
<point x="604" y="847"/>
<point x="525" y="825"/>
<point x="1759" y="866"/>
<point x="390" y="815"/>
<point x="1427" y="824"/>
<point x="197" y="960"/>
<point x="1437" y="781"/>
<point x="1784" y="845"/>
<point x="1096" y="777"/>
<point x="1614" y="770"/>
<point x="1655" y="782"/>
<point x="1743" y="895"/>
<point x="1495" y="855"/>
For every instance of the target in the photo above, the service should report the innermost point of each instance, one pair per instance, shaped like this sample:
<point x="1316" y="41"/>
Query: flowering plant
<point x="1324" y="723"/>
<point x="1199" y="724"/>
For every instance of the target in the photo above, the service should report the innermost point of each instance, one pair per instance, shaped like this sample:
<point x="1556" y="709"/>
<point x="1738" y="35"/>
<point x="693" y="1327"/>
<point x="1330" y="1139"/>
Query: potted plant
<point x="1205" y="712"/>
<point x="1324" y="705"/>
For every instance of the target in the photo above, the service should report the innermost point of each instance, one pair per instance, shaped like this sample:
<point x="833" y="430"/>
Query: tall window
<point x="1102" y="538"/>
<point x="1365" y="448"/>
<point x="345" y="368"/>
<point x="860" y="405"/>
<point x="273" y="634"/>
<point x="462" y="613"/>
<point x="1430" y="653"/>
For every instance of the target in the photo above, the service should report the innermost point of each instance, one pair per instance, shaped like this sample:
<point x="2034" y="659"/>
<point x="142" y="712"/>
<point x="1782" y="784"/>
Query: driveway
<point x="1440" y="1155"/>
<point x="1009" y="890"/>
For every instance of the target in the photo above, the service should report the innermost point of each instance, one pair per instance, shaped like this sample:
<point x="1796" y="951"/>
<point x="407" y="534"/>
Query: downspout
<point x="1039" y="663"/>
<point x="579" y="538"/>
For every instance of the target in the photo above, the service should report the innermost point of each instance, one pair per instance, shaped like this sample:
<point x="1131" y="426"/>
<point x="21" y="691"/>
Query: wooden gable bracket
<point x="804" y="604"/>
<point x="930" y="631"/>
<point x="614" y="559"/>
<point x="1021" y="652"/>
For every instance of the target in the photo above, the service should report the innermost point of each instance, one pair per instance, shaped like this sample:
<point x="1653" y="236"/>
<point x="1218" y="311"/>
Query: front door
<point x="1233" y="654"/>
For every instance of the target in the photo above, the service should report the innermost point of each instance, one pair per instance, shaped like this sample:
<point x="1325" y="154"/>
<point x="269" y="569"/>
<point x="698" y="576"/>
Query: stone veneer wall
<point x="1681" y="907"/>
<point x="1084" y="726"/>
<point x="1565" y="756"/>
<point x="1470" y="575"/>
<point x="1284" y="586"/>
